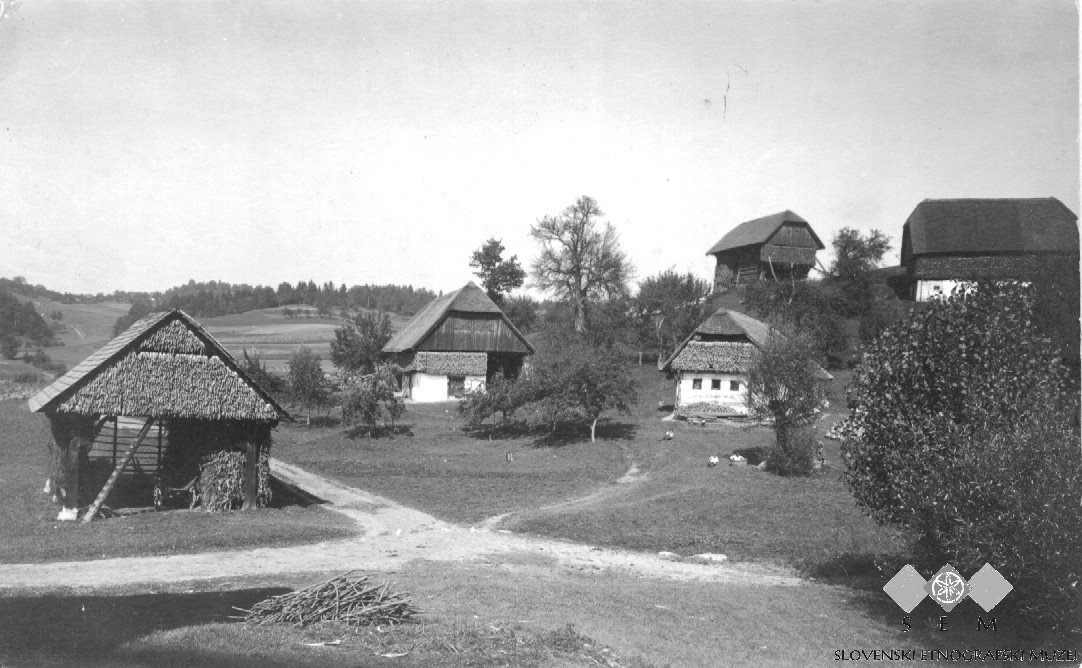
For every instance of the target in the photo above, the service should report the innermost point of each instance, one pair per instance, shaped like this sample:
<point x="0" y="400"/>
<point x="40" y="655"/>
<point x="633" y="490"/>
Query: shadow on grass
<point x="567" y="434"/>
<point x="382" y="431"/>
<point x="318" y="421"/>
<point x="755" y="455"/>
<point x="89" y="629"/>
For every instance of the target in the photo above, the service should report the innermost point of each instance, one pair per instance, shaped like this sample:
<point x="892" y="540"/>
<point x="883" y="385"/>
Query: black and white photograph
<point x="539" y="333"/>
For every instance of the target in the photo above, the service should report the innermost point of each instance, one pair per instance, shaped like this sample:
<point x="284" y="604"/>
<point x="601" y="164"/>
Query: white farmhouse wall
<point x="927" y="290"/>
<point x="425" y="387"/>
<point x="736" y="400"/>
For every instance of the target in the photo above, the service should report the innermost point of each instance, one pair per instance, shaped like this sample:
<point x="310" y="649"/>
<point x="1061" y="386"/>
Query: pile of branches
<point x="353" y="599"/>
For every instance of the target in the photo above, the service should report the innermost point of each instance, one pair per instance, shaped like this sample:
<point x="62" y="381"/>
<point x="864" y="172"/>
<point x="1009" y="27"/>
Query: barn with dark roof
<point x="947" y="242"/>
<point x="780" y="247"/>
<point x="156" y="400"/>
<point x="711" y="365"/>
<point x="454" y="344"/>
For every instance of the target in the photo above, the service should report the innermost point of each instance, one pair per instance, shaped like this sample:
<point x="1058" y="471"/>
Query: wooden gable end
<point x="796" y="235"/>
<point x="485" y="332"/>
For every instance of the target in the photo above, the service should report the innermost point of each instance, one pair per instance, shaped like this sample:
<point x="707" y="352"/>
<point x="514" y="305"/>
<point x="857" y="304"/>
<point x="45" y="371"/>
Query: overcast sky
<point x="145" y="144"/>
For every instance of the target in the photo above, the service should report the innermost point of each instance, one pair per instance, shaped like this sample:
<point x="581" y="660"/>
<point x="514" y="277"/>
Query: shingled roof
<point x="759" y="231"/>
<point x="726" y="343"/>
<point x="468" y="299"/>
<point x="959" y="226"/>
<point x="165" y="366"/>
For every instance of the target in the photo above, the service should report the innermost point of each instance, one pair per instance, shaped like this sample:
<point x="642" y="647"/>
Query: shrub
<point x="499" y="395"/>
<point x="963" y="431"/>
<point x="9" y="346"/>
<point x="27" y="377"/>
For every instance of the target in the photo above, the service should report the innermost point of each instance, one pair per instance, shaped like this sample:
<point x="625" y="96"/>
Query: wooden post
<point x="116" y="429"/>
<point x="254" y="441"/>
<point x="100" y="499"/>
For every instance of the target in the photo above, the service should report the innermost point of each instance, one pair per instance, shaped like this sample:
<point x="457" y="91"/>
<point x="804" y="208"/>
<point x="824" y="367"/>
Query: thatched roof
<point x="469" y="301"/>
<point x="760" y="231"/>
<point x="719" y="356"/>
<point x="725" y="343"/>
<point x="165" y="366"/>
<point x="989" y="226"/>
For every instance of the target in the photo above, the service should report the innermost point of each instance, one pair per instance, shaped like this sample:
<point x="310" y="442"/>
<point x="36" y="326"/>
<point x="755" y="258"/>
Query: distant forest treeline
<point x="215" y="298"/>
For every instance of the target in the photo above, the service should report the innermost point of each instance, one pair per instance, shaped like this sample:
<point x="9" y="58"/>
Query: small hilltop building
<point x="454" y="344"/>
<point x="779" y="247"/>
<point x="711" y="366"/>
<point x="160" y="400"/>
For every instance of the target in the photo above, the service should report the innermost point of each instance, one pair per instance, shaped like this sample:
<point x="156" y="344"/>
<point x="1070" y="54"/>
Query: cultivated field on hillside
<point x="275" y="336"/>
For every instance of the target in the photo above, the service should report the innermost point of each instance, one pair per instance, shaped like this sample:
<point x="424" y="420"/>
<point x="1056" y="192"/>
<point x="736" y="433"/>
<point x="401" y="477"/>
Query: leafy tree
<point x="854" y="255"/>
<point x="668" y="307"/>
<point x="374" y="398"/>
<point x="138" y="309"/>
<point x="580" y="261"/>
<point x="307" y="384"/>
<point x="20" y="321"/>
<point x="963" y="431"/>
<point x="498" y="276"/>
<point x="255" y="368"/>
<point x="357" y="345"/>
<point x="784" y="384"/>
<point x="577" y="383"/>
<point x="522" y="311"/>
<point x="813" y="308"/>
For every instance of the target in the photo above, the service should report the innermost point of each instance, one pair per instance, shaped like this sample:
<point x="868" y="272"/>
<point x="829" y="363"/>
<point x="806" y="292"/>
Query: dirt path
<point x="392" y="535"/>
<point x="623" y="484"/>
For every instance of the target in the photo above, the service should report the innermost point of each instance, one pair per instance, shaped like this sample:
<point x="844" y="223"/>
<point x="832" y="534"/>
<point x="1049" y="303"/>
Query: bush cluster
<point x="964" y="430"/>
<point x="373" y="399"/>
<point x="573" y="384"/>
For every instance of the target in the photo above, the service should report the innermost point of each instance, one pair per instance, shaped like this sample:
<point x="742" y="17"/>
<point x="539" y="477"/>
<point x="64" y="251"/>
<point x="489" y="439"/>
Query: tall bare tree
<point x="580" y="259"/>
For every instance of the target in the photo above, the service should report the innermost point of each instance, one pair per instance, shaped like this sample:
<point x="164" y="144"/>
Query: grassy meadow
<point x="677" y="503"/>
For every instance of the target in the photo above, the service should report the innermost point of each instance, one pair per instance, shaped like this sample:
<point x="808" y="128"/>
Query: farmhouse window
<point x="715" y="384"/>
<point x="697" y="383"/>
<point x="734" y="385"/>
<point x="456" y="386"/>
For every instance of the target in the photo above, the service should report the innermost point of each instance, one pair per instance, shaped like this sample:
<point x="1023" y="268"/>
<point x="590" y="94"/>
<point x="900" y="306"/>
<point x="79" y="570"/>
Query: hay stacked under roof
<point x="163" y="366"/>
<point x="449" y="364"/>
<point x="168" y="385"/>
<point x="719" y="356"/>
<point x="173" y="337"/>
